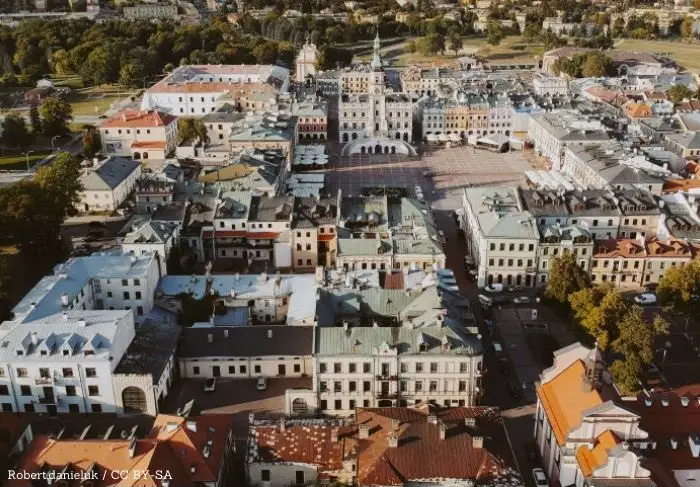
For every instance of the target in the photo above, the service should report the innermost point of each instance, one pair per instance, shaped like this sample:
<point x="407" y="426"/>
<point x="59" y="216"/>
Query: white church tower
<point x="306" y="61"/>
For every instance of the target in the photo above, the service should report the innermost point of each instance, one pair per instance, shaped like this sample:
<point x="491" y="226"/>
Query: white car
<point x="646" y="298"/>
<point x="494" y="288"/>
<point x="261" y="384"/>
<point x="540" y="477"/>
<point x="521" y="300"/>
<point x="446" y="273"/>
<point x="210" y="385"/>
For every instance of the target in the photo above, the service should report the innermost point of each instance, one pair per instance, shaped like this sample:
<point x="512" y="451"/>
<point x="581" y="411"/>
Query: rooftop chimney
<point x="470" y="422"/>
<point x="364" y="431"/>
<point x="443" y="430"/>
<point x="685" y="400"/>
<point x="664" y="401"/>
<point x="674" y="442"/>
<point x="393" y="441"/>
<point x="432" y="419"/>
<point x="694" y="444"/>
<point x="477" y="441"/>
<point x="283" y="426"/>
<point x="395" y="423"/>
<point x="192" y="426"/>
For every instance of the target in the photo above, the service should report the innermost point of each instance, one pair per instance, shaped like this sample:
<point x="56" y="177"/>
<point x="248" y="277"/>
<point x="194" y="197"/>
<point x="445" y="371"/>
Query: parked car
<point x="646" y="298"/>
<point x="428" y="174"/>
<point x="494" y="288"/>
<point x="521" y="300"/>
<point x="515" y="289"/>
<point x="540" y="477"/>
<point x="445" y="273"/>
<point x="485" y="300"/>
<point x="210" y="385"/>
<point x="261" y="384"/>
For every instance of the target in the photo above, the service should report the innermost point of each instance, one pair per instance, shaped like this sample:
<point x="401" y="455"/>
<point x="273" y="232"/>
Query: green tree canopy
<point x="677" y="93"/>
<point x="494" y="33"/>
<point x="596" y="64"/>
<point x="35" y="119"/>
<point x="430" y="44"/>
<point x="679" y="289"/>
<point x="14" y="131"/>
<point x="55" y="116"/>
<point x="189" y="128"/>
<point x="91" y="142"/>
<point x="598" y="309"/>
<point x="565" y="278"/>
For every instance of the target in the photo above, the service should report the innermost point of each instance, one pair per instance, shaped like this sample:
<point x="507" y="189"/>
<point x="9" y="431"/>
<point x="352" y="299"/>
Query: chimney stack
<point x="283" y="426"/>
<point x="432" y="419"/>
<point x="393" y="441"/>
<point x="443" y="430"/>
<point x="477" y="441"/>
<point x="192" y="426"/>
<point x="364" y="431"/>
<point x="395" y="423"/>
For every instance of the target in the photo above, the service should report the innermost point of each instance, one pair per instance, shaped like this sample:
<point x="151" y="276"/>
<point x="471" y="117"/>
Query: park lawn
<point x="686" y="54"/>
<point x="15" y="160"/>
<point x="85" y="105"/>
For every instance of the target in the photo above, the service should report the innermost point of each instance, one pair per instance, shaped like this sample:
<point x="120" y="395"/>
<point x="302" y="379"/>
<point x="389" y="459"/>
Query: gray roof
<point x="424" y="246"/>
<point x="607" y="159"/>
<point x="150" y="351"/>
<point x="637" y="202"/>
<point x="498" y="213"/>
<point x="368" y="213"/>
<point x="363" y="246"/>
<point x="247" y="341"/>
<point x="152" y="233"/>
<point x="688" y="140"/>
<point x="265" y="209"/>
<point x="337" y="341"/>
<point x="109" y="174"/>
<point x="309" y="212"/>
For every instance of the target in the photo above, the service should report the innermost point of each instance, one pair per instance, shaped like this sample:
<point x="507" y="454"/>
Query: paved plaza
<point x="451" y="170"/>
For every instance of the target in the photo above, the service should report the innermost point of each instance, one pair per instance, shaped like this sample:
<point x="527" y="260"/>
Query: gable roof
<point x="138" y="119"/>
<point x="109" y="174"/>
<point x="564" y="400"/>
<point x="591" y="459"/>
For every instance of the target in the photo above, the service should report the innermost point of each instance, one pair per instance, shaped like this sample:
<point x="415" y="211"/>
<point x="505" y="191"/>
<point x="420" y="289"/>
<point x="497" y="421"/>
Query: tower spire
<point x="377" y="58"/>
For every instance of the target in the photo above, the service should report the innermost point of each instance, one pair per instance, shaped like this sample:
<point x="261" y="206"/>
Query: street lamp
<point x="53" y="148"/>
<point x="26" y="154"/>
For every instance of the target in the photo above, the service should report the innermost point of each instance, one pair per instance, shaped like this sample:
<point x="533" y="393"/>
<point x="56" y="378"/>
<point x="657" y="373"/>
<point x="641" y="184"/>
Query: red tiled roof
<point x="148" y="145"/>
<point x="138" y="118"/>
<point x="229" y="233"/>
<point x="667" y="248"/>
<point x="262" y="235"/>
<point x="618" y="248"/>
<point x="171" y="446"/>
<point x="394" y="280"/>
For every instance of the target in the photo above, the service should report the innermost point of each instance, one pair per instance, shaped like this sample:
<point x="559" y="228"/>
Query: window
<point x="337" y="368"/>
<point x="125" y="282"/>
<point x="70" y="390"/>
<point x="337" y="386"/>
<point x="403" y="367"/>
<point x="419" y="367"/>
<point x="73" y="408"/>
<point x="366" y="386"/>
<point x="322" y="367"/>
<point x="231" y="369"/>
<point x="366" y="367"/>
<point x="433" y="367"/>
<point x="256" y="369"/>
<point x="4" y="390"/>
<point x="433" y="386"/>
<point x="595" y="223"/>
<point x="492" y="246"/>
<point x="338" y="404"/>
<point x="511" y="247"/>
<point x="90" y="372"/>
<point x="419" y="386"/>
<point x="352" y="368"/>
<point x="491" y="262"/>
<point x="126" y="295"/>
<point x="531" y="247"/>
<point x="195" y="370"/>
<point x="21" y="372"/>
<point x="29" y="407"/>
<point x="93" y="391"/>
<point x="297" y="368"/>
<point x="502" y="247"/>
<point x="500" y="262"/>
<point x="138" y="294"/>
<point x="25" y="390"/>
<point x="353" y="386"/>
<point x="462" y="367"/>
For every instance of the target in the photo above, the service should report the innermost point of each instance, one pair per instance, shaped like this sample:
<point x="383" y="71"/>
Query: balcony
<point x="48" y="400"/>
<point x="43" y="381"/>
<point x="530" y="269"/>
<point x="387" y="395"/>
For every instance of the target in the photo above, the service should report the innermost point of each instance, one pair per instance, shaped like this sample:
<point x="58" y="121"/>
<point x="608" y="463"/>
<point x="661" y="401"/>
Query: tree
<point x="696" y="4"/>
<point x="430" y="44"/>
<point x="598" y="310"/>
<point x="60" y="180"/>
<point x="565" y="278"/>
<point x="677" y="93"/>
<point x="132" y="75"/>
<point x="454" y="41"/>
<point x="679" y="289"/>
<point x="189" y="128"/>
<point x="596" y="64"/>
<point x="531" y="33"/>
<point x="35" y="119"/>
<point x="410" y="47"/>
<point x="686" y="27"/>
<point x="494" y="33"/>
<point x="5" y="286"/>
<point x="551" y="40"/>
<point x="61" y="62"/>
<point x="91" y="142"/>
<point x="330" y="57"/>
<point x="14" y="131"/>
<point x="626" y="374"/>
<point x="55" y="115"/>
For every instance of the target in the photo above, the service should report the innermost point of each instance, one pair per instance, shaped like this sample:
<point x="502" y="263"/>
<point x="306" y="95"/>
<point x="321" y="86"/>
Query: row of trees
<point x="50" y="119"/>
<point x="621" y="329"/>
<point x="592" y="64"/>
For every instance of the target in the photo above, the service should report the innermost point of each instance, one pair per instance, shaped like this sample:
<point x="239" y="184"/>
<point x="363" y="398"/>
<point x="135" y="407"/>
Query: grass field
<point x="511" y="49"/>
<point x="19" y="161"/>
<point x="91" y="105"/>
<point x="686" y="54"/>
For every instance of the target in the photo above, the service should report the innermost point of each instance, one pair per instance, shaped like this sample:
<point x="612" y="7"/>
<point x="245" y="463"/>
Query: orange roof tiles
<point x="680" y="185"/>
<point x="667" y="248"/>
<point x="564" y="400"/>
<point x="591" y="460"/>
<point x="638" y="110"/>
<point x="148" y="145"/>
<point x="262" y="235"/>
<point x="625" y="248"/>
<point x="173" y="445"/>
<point x="138" y="118"/>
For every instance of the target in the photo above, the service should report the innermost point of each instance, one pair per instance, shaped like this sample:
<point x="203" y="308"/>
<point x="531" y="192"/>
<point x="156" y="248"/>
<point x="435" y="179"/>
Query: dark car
<point x="515" y="391"/>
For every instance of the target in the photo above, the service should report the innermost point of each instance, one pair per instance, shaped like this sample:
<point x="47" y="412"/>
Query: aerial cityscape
<point x="416" y="243"/>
